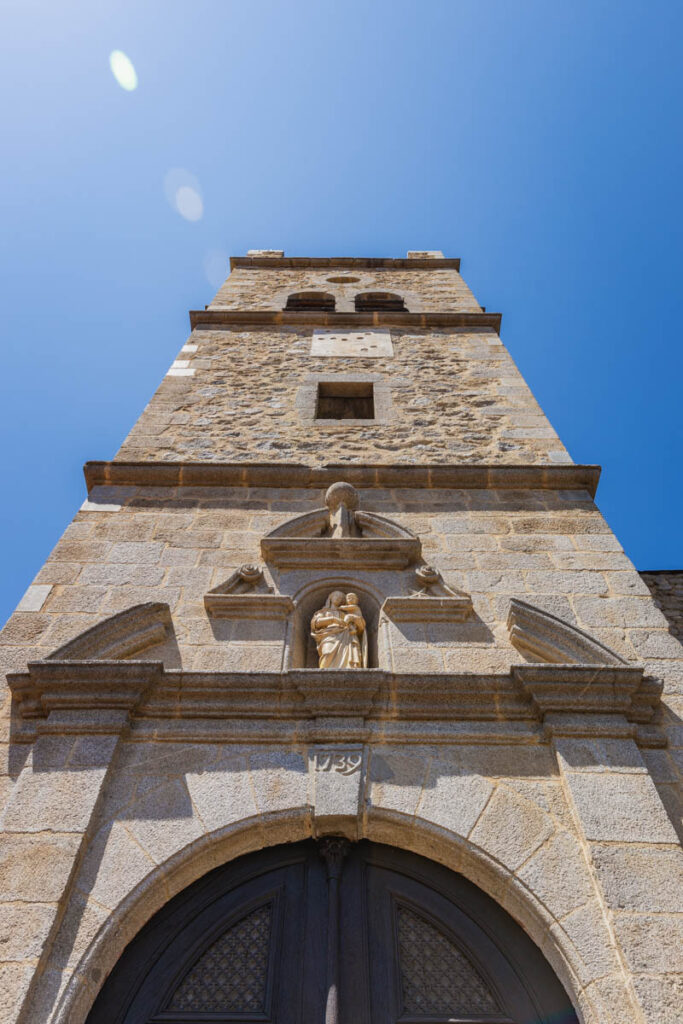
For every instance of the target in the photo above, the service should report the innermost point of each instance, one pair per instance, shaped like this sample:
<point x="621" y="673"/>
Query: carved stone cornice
<point x="581" y="699"/>
<point x="248" y="606"/>
<point x="215" y="319"/>
<point x="349" y="552"/>
<point x="345" y="262"/>
<point x="427" y="609"/>
<point x="481" y="476"/>
<point x="68" y="686"/>
<point x="594" y="699"/>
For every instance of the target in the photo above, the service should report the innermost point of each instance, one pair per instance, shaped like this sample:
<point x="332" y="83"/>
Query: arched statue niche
<point x="301" y="646"/>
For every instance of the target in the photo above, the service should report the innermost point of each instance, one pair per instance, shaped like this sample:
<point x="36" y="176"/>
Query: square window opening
<point x="345" y="400"/>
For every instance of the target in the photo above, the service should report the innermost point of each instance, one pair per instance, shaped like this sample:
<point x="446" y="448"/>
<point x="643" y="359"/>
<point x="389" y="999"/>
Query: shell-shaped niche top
<point x="341" y="534"/>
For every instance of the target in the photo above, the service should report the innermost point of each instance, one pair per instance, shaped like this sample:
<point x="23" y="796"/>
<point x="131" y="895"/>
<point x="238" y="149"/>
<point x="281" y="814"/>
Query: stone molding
<point x="248" y="606"/>
<point x="213" y="319"/>
<point x="600" y="700"/>
<point x="60" y="688"/>
<point x="548" y="638"/>
<point x="358" y="262"/>
<point x="479" y="476"/>
<point x="333" y="552"/>
<point x="457" y="608"/>
<point x="592" y="695"/>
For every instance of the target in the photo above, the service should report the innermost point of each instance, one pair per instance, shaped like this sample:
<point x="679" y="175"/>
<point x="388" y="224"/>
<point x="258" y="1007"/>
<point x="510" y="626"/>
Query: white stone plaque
<point x="366" y="344"/>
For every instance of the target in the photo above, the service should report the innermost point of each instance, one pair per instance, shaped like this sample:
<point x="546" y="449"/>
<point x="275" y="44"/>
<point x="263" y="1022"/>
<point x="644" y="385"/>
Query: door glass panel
<point x="436" y="978"/>
<point x="232" y="975"/>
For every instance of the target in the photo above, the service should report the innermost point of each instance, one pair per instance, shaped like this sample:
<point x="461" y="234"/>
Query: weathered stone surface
<point x="620" y="808"/>
<point x="586" y="930"/>
<point x="667" y="591"/>
<point x="660" y="997"/>
<point x="35" y="867"/>
<point x="652" y="943"/>
<point x="15" y="979"/>
<point x="453" y="799"/>
<point x="113" y="865"/>
<point x="511" y="828"/>
<point x="558" y="874"/>
<point x="58" y="800"/>
<point x="223" y="794"/>
<point x="24" y="930"/>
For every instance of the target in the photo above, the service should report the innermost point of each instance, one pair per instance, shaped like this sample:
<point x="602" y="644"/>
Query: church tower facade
<point x="338" y="700"/>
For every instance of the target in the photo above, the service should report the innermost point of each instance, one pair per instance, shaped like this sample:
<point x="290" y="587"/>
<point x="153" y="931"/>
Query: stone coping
<point x="212" y="318"/>
<point x="359" y="262"/>
<point x="467" y="476"/>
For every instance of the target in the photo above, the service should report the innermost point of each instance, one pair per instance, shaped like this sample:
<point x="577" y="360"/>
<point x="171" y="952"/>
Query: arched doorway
<point x="332" y="933"/>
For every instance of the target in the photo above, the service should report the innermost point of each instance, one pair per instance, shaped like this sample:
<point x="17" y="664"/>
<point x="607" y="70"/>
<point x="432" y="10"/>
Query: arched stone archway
<point x="94" y="950"/>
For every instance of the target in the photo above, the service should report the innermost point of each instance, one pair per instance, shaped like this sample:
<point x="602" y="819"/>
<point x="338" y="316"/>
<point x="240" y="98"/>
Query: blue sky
<point x="539" y="141"/>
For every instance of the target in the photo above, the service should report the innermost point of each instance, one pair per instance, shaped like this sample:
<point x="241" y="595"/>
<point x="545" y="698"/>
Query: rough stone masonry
<point x="519" y="722"/>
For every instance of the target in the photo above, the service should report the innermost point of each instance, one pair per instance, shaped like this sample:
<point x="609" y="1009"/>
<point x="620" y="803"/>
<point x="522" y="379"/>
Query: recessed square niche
<point x="364" y="344"/>
<point x="345" y="400"/>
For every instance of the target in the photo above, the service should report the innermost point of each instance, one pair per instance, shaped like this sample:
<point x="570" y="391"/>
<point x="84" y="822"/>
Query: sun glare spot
<point x="216" y="267"/>
<point x="123" y="71"/>
<point x="189" y="203"/>
<point x="184" y="194"/>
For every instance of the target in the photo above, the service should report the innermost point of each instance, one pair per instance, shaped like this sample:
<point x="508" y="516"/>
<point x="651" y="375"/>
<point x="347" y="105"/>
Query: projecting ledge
<point x="589" y="700"/>
<point x="464" y="476"/>
<point x="344" y="262"/>
<point x="213" y="318"/>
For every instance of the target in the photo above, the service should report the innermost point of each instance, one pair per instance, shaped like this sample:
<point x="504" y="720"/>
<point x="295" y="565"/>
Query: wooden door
<point x="332" y="933"/>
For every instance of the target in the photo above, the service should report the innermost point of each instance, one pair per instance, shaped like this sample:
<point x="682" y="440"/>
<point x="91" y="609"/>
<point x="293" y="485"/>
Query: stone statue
<point x="339" y="632"/>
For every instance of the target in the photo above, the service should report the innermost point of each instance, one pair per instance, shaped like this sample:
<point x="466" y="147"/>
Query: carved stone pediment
<point x="246" y="595"/>
<point x="120" y="636"/>
<point x="432" y="600"/>
<point x="341" y="535"/>
<point x="547" y="638"/>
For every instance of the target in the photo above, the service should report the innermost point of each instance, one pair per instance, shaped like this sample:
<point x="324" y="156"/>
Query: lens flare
<point x="189" y="203"/>
<point x="183" y="192"/>
<point x="123" y="71"/>
<point x="216" y="267"/>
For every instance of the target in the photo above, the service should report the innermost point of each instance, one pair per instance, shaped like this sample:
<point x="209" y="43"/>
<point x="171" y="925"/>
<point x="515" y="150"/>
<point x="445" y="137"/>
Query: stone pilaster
<point x="80" y="713"/>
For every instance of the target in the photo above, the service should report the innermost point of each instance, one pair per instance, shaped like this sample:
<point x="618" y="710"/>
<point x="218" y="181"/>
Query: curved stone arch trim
<point x="120" y="635"/>
<point x="547" y="638"/>
<point x="312" y="524"/>
<point x="392" y="828"/>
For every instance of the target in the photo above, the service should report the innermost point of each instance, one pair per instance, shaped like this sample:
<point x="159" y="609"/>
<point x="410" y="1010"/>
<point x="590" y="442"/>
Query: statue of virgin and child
<point x="338" y="629"/>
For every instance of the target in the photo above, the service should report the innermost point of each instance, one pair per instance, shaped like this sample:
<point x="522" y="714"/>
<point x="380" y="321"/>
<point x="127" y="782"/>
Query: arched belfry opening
<point x="310" y="301"/>
<point x="380" y="302"/>
<point x="332" y="931"/>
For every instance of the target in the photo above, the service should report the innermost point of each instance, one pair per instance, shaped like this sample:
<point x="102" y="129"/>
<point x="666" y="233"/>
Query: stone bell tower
<point x="338" y="700"/>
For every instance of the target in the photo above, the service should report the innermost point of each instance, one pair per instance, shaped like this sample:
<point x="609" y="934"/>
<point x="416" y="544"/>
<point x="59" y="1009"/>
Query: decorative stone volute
<point x="247" y="595"/>
<point x="433" y="601"/>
